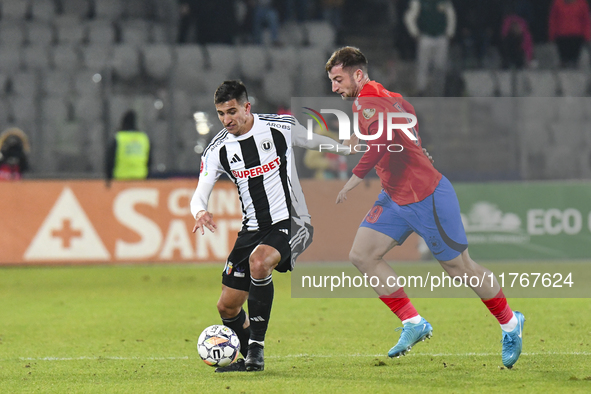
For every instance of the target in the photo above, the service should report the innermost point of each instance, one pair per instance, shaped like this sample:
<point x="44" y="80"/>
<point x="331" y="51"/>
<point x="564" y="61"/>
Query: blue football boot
<point x="512" y="342"/>
<point x="411" y="334"/>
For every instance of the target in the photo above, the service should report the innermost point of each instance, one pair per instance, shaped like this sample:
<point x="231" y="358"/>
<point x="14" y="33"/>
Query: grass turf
<point x="133" y="329"/>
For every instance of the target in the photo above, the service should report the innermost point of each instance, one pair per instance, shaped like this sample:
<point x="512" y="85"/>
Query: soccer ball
<point x="218" y="346"/>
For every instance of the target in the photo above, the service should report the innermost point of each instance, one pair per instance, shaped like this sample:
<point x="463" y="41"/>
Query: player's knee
<point x="227" y="311"/>
<point x="358" y="259"/>
<point x="261" y="267"/>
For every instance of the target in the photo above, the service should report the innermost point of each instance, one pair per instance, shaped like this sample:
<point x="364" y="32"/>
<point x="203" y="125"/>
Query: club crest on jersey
<point x="228" y="267"/>
<point x="369" y="112"/>
<point x="266" y="145"/>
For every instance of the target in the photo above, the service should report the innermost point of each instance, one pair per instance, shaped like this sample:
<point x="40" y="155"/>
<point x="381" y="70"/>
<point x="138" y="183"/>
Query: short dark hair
<point x="347" y="57"/>
<point x="230" y="90"/>
<point x="128" y="121"/>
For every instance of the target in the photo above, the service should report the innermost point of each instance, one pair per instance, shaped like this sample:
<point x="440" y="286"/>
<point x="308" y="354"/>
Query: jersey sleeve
<point x="210" y="171"/>
<point x="300" y="138"/>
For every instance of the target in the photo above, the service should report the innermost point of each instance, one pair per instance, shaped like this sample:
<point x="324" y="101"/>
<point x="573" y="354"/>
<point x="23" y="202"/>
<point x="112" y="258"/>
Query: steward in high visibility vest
<point x="129" y="154"/>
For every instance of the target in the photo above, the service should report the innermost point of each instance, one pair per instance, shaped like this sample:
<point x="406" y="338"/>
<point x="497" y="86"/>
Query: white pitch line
<point x="116" y="358"/>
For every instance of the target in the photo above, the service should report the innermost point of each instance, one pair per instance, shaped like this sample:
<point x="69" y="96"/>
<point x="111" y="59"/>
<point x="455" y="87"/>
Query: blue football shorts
<point x="436" y="219"/>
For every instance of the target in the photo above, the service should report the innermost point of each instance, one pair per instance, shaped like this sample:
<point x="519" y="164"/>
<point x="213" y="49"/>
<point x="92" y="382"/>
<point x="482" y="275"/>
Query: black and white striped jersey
<point x="260" y="162"/>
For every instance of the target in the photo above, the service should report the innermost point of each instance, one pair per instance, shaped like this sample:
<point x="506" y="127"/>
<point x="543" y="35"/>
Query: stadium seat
<point x="43" y="10"/>
<point x="88" y="108"/>
<point x="158" y="61"/>
<point x="70" y="30"/>
<point x="291" y="34"/>
<point x="188" y="69"/>
<point x="4" y="110"/>
<point x="212" y="80"/>
<point x="12" y="33"/>
<point x="511" y="83"/>
<point x="54" y="110"/>
<point x="160" y="34"/>
<point x="22" y="108"/>
<point x="10" y="59"/>
<point x="182" y="105"/>
<point x="125" y="61"/>
<point x="101" y="32"/>
<point x="222" y="58"/>
<point x="66" y="58"/>
<point x="3" y="82"/>
<point x="135" y="31"/>
<point x="25" y="83"/>
<point x="84" y="83"/>
<point x="79" y="8"/>
<point x="56" y="83"/>
<point x="108" y="9"/>
<point x="36" y="57"/>
<point x="541" y="83"/>
<point x="479" y="83"/>
<point x="278" y="89"/>
<point x="40" y="33"/>
<point x="140" y="9"/>
<point x="97" y="57"/>
<point x="253" y="61"/>
<point x="15" y="9"/>
<point x="313" y="80"/>
<point x="320" y="34"/>
<point x="547" y="56"/>
<point x="574" y="83"/>
<point x="285" y="59"/>
<point x="95" y="146"/>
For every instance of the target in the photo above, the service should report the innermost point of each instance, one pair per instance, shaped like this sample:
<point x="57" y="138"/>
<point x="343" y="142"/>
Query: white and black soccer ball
<point x="218" y="346"/>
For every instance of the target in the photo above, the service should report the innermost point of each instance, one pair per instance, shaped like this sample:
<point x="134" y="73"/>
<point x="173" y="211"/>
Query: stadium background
<point x="69" y="69"/>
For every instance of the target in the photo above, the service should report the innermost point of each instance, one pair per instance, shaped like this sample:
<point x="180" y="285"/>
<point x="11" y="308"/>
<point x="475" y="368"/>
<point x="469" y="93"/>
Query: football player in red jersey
<point x="415" y="197"/>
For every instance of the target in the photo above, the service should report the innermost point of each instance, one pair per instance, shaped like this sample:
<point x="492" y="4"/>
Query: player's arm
<point x="199" y="202"/>
<point x="210" y="171"/>
<point x="317" y="141"/>
<point x="350" y="185"/>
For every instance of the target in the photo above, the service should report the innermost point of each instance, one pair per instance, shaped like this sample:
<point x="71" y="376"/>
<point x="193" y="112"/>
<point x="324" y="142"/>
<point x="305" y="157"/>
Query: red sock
<point x="499" y="308"/>
<point x="399" y="303"/>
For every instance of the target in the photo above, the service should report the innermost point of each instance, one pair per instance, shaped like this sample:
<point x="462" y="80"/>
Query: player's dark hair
<point x="347" y="57"/>
<point x="230" y="90"/>
<point x="128" y="121"/>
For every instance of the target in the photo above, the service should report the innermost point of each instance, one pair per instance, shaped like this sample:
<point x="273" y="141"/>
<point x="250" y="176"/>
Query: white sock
<point x="510" y="326"/>
<point x="262" y="343"/>
<point x="413" y="320"/>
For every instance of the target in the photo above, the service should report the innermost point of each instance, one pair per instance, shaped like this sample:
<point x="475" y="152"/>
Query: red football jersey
<point x="407" y="175"/>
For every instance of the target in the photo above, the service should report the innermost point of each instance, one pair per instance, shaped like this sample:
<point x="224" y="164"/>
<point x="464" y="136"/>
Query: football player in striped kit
<point x="255" y="151"/>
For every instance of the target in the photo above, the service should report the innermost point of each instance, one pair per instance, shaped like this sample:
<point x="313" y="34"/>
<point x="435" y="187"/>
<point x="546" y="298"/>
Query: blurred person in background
<point x="129" y="155"/>
<point x="516" y="42"/>
<point x="14" y="148"/>
<point x="327" y="165"/>
<point x="265" y="15"/>
<point x="432" y="23"/>
<point x="569" y="26"/>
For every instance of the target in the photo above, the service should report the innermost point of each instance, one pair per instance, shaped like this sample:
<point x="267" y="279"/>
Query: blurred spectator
<point x="324" y="164"/>
<point x="296" y="10"/>
<point x="265" y="15"/>
<point x="516" y="42"/>
<point x="569" y="26"/>
<point x="14" y="148"/>
<point x="332" y="11"/>
<point x="433" y="24"/>
<point x="478" y="22"/>
<point x="129" y="155"/>
<point x="200" y="21"/>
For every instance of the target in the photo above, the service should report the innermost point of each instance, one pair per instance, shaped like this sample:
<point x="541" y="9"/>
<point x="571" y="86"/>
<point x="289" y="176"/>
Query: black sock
<point x="236" y="323"/>
<point x="260" y="301"/>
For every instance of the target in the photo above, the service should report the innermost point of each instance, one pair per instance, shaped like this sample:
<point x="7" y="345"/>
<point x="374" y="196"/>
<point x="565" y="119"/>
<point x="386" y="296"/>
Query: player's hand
<point x="204" y="219"/>
<point x="342" y="196"/>
<point x="428" y="155"/>
<point x="352" y="141"/>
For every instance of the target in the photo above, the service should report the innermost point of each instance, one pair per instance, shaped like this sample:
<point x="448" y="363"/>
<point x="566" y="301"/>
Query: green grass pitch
<point x="133" y="329"/>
